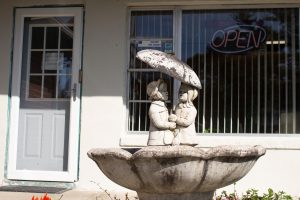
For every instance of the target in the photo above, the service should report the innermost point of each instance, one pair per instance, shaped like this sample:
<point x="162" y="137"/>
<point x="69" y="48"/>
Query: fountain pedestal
<point x="179" y="196"/>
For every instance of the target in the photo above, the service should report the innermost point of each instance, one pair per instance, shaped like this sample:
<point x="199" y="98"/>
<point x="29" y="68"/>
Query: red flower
<point x="45" y="197"/>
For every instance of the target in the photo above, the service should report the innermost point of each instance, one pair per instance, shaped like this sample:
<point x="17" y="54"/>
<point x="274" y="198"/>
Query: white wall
<point x="103" y="115"/>
<point x="278" y="169"/>
<point x="104" y="65"/>
<point x="5" y="47"/>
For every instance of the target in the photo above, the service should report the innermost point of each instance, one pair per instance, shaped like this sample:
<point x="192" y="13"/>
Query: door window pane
<point x="37" y="41"/>
<point x="66" y="37"/>
<point x="35" y="84"/>
<point x="36" y="62"/>
<point x="64" y="86"/>
<point x="65" y="64"/>
<point x="49" y="87"/>
<point x="52" y="37"/>
<point x="51" y="61"/>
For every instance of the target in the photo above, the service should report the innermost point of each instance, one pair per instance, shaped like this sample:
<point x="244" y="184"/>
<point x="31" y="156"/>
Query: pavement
<point x="70" y="195"/>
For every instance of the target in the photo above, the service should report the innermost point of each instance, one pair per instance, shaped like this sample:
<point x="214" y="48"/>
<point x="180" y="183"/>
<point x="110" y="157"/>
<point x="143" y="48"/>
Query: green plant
<point x="109" y="195"/>
<point x="252" y="194"/>
<point x="225" y="196"/>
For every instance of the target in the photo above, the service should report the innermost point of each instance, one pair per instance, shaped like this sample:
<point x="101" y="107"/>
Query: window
<point x="247" y="61"/>
<point x="50" y="58"/>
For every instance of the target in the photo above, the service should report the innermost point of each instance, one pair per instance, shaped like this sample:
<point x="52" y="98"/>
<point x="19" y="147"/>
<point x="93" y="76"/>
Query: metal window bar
<point x="279" y="77"/>
<point x="286" y="70"/>
<point x="218" y="103"/>
<point x="258" y="93"/>
<point x="238" y="96"/>
<point x="198" y="128"/>
<point x="252" y="94"/>
<point x="293" y="42"/>
<point x="245" y="96"/>
<point x="204" y="81"/>
<point x="225" y="93"/>
<point x="265" y="88"/>
<point x="272" y="78"/>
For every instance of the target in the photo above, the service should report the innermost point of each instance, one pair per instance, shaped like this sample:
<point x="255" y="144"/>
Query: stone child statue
<point x="185" y="114"/>
<point x="161" y="129"/>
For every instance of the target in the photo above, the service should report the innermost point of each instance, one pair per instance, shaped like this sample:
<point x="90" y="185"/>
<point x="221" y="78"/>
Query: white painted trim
<point x="216" y="4"/>
<point x="290" y="142"/>
<point x="72" y="173"/>
<point x="48" y="176"/>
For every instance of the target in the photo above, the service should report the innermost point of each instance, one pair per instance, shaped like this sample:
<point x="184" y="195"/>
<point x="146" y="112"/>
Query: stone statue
<point x="161" y="129"/>
<point x="185" y="114"/>
<point x="174" y="129"/>
<point x="178" y="172"/>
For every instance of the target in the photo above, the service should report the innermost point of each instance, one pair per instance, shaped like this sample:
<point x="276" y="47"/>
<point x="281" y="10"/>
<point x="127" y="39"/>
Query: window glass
<point x="248" y="63"/>
<point x="37" y="38"/>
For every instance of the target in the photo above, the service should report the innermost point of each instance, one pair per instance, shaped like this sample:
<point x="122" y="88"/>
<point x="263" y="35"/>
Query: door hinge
<point x="80" y="74"/>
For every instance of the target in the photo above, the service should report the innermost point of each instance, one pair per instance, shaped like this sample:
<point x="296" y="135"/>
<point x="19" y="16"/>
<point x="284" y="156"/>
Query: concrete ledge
<point x="71" y="195"/>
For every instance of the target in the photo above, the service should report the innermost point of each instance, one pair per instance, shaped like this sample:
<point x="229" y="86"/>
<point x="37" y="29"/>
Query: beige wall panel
<point x="5" y="49"/>
<point x="104" y="69"/>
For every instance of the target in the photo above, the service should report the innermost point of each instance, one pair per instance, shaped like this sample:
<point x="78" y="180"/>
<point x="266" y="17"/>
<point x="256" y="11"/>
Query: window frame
<point x="139" y="138"/>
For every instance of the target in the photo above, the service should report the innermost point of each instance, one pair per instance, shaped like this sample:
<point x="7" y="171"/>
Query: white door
<point x="45" y="103"/>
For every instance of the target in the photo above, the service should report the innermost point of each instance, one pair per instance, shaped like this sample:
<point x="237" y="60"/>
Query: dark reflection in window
<point x="49" y="87"/>
<point x="66" y="37"/>
<point x="37" y="41"/>
<point x="52" y="37"/>
<point x="152" y="24"/>
<point x="35" y="87"/>
<point x="36" y="61"/>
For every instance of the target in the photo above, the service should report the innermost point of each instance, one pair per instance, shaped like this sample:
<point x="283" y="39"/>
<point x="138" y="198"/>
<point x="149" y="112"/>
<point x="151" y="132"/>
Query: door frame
<point x="71" y="174"/>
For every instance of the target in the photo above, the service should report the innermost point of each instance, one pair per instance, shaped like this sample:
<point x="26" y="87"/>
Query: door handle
<point x="74" y="91"/>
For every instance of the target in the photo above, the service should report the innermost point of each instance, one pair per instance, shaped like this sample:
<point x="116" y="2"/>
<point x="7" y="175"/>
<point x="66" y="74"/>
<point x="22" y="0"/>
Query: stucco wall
<point x="103" y="116"/>
<point x="104" y="65"/>
<point x="5" y="48"/>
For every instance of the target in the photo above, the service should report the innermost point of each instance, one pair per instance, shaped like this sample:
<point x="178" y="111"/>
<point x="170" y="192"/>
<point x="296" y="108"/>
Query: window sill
<point x="289" y="142"/>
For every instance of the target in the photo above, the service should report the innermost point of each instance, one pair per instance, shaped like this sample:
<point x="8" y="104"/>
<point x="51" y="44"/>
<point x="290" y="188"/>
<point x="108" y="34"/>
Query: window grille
<point x="149" y="29"/>
<point x="252" y="92"/>
<point x="50" y="58"/>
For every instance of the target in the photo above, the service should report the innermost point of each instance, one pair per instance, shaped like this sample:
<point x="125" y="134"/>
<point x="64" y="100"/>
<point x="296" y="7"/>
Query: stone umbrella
<point x="170" y="65"/>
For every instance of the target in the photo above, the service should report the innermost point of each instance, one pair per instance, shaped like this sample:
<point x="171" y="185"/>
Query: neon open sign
<point x="237" y="39"/>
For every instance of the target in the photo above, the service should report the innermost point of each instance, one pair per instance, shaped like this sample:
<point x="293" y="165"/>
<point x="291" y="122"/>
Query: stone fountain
<point x="170" y="167"/>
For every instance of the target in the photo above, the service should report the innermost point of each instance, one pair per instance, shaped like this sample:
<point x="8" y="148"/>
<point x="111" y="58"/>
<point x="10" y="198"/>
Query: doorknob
<point x="74" y="91"/>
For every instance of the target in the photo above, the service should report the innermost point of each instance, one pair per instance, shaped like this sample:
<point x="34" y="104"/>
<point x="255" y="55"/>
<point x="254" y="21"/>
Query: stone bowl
<point x="176" y="171"/>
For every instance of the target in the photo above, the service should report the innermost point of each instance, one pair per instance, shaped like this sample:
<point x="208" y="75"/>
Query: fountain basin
<point x="176" y="172"/>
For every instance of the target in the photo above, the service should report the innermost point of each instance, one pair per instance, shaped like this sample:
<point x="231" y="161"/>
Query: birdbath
<point x="171" y="167"/>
